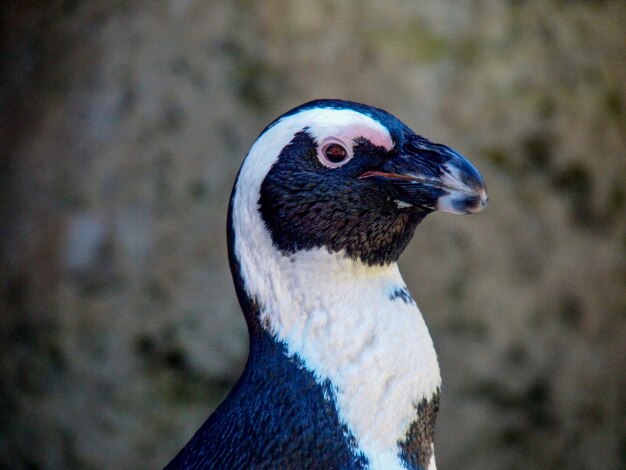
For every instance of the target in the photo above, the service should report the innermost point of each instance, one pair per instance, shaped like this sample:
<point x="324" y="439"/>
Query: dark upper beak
<point x="433" y="176"/>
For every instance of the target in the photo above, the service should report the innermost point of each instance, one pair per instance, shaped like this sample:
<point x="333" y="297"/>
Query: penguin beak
<point x="433" y="177"/>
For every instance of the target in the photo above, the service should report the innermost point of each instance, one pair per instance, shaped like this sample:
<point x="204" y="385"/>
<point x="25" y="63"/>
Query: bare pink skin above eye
<point x="376" y="137"/>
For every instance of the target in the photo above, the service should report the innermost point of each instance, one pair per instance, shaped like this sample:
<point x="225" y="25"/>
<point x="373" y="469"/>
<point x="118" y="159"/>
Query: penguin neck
<point x="353" y="326"/>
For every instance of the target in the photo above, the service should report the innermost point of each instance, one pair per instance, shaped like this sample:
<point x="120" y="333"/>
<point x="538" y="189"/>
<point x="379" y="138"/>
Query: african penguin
<point x="342" y="372"/>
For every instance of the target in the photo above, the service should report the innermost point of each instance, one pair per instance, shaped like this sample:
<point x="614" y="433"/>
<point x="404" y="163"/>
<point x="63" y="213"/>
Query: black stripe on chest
<point x="417" y="446"/>
<point x="278" y="416"/>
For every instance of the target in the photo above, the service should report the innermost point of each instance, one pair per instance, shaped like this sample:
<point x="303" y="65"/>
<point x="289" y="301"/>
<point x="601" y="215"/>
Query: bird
<point x="341" y="372"/>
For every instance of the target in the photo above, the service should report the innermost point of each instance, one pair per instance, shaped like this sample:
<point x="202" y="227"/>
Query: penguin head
<point x="350" y="178"/>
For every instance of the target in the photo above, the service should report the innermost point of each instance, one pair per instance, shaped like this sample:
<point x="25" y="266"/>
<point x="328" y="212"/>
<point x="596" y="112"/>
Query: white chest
<point x="341" y="318"/>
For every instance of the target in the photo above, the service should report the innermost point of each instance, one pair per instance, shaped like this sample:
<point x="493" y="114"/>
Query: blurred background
<point x="122" y="127"/>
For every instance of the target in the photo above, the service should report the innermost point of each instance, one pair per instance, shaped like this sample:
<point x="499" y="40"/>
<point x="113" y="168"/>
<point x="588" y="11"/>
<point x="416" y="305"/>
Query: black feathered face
<point x="306" y="204"/>
<point x="362" y="190"/>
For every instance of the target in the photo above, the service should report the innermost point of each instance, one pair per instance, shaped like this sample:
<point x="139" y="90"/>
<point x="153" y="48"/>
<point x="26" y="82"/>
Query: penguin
<point x="342" y="372"/>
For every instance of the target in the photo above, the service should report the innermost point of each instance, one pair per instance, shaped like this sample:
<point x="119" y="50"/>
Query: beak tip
<point x="463" y="202"/>
<point x="483" y="200"/>
<point x="471" y="196"/>
<point x="460" y="205"/>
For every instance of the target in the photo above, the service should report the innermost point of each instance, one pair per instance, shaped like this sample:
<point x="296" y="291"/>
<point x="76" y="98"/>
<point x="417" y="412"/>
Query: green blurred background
<point x="123" y="124"/>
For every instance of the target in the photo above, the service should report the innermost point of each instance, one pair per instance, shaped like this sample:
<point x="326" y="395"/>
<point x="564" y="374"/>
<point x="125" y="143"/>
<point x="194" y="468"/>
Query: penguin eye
<point x="334" y="155"/>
